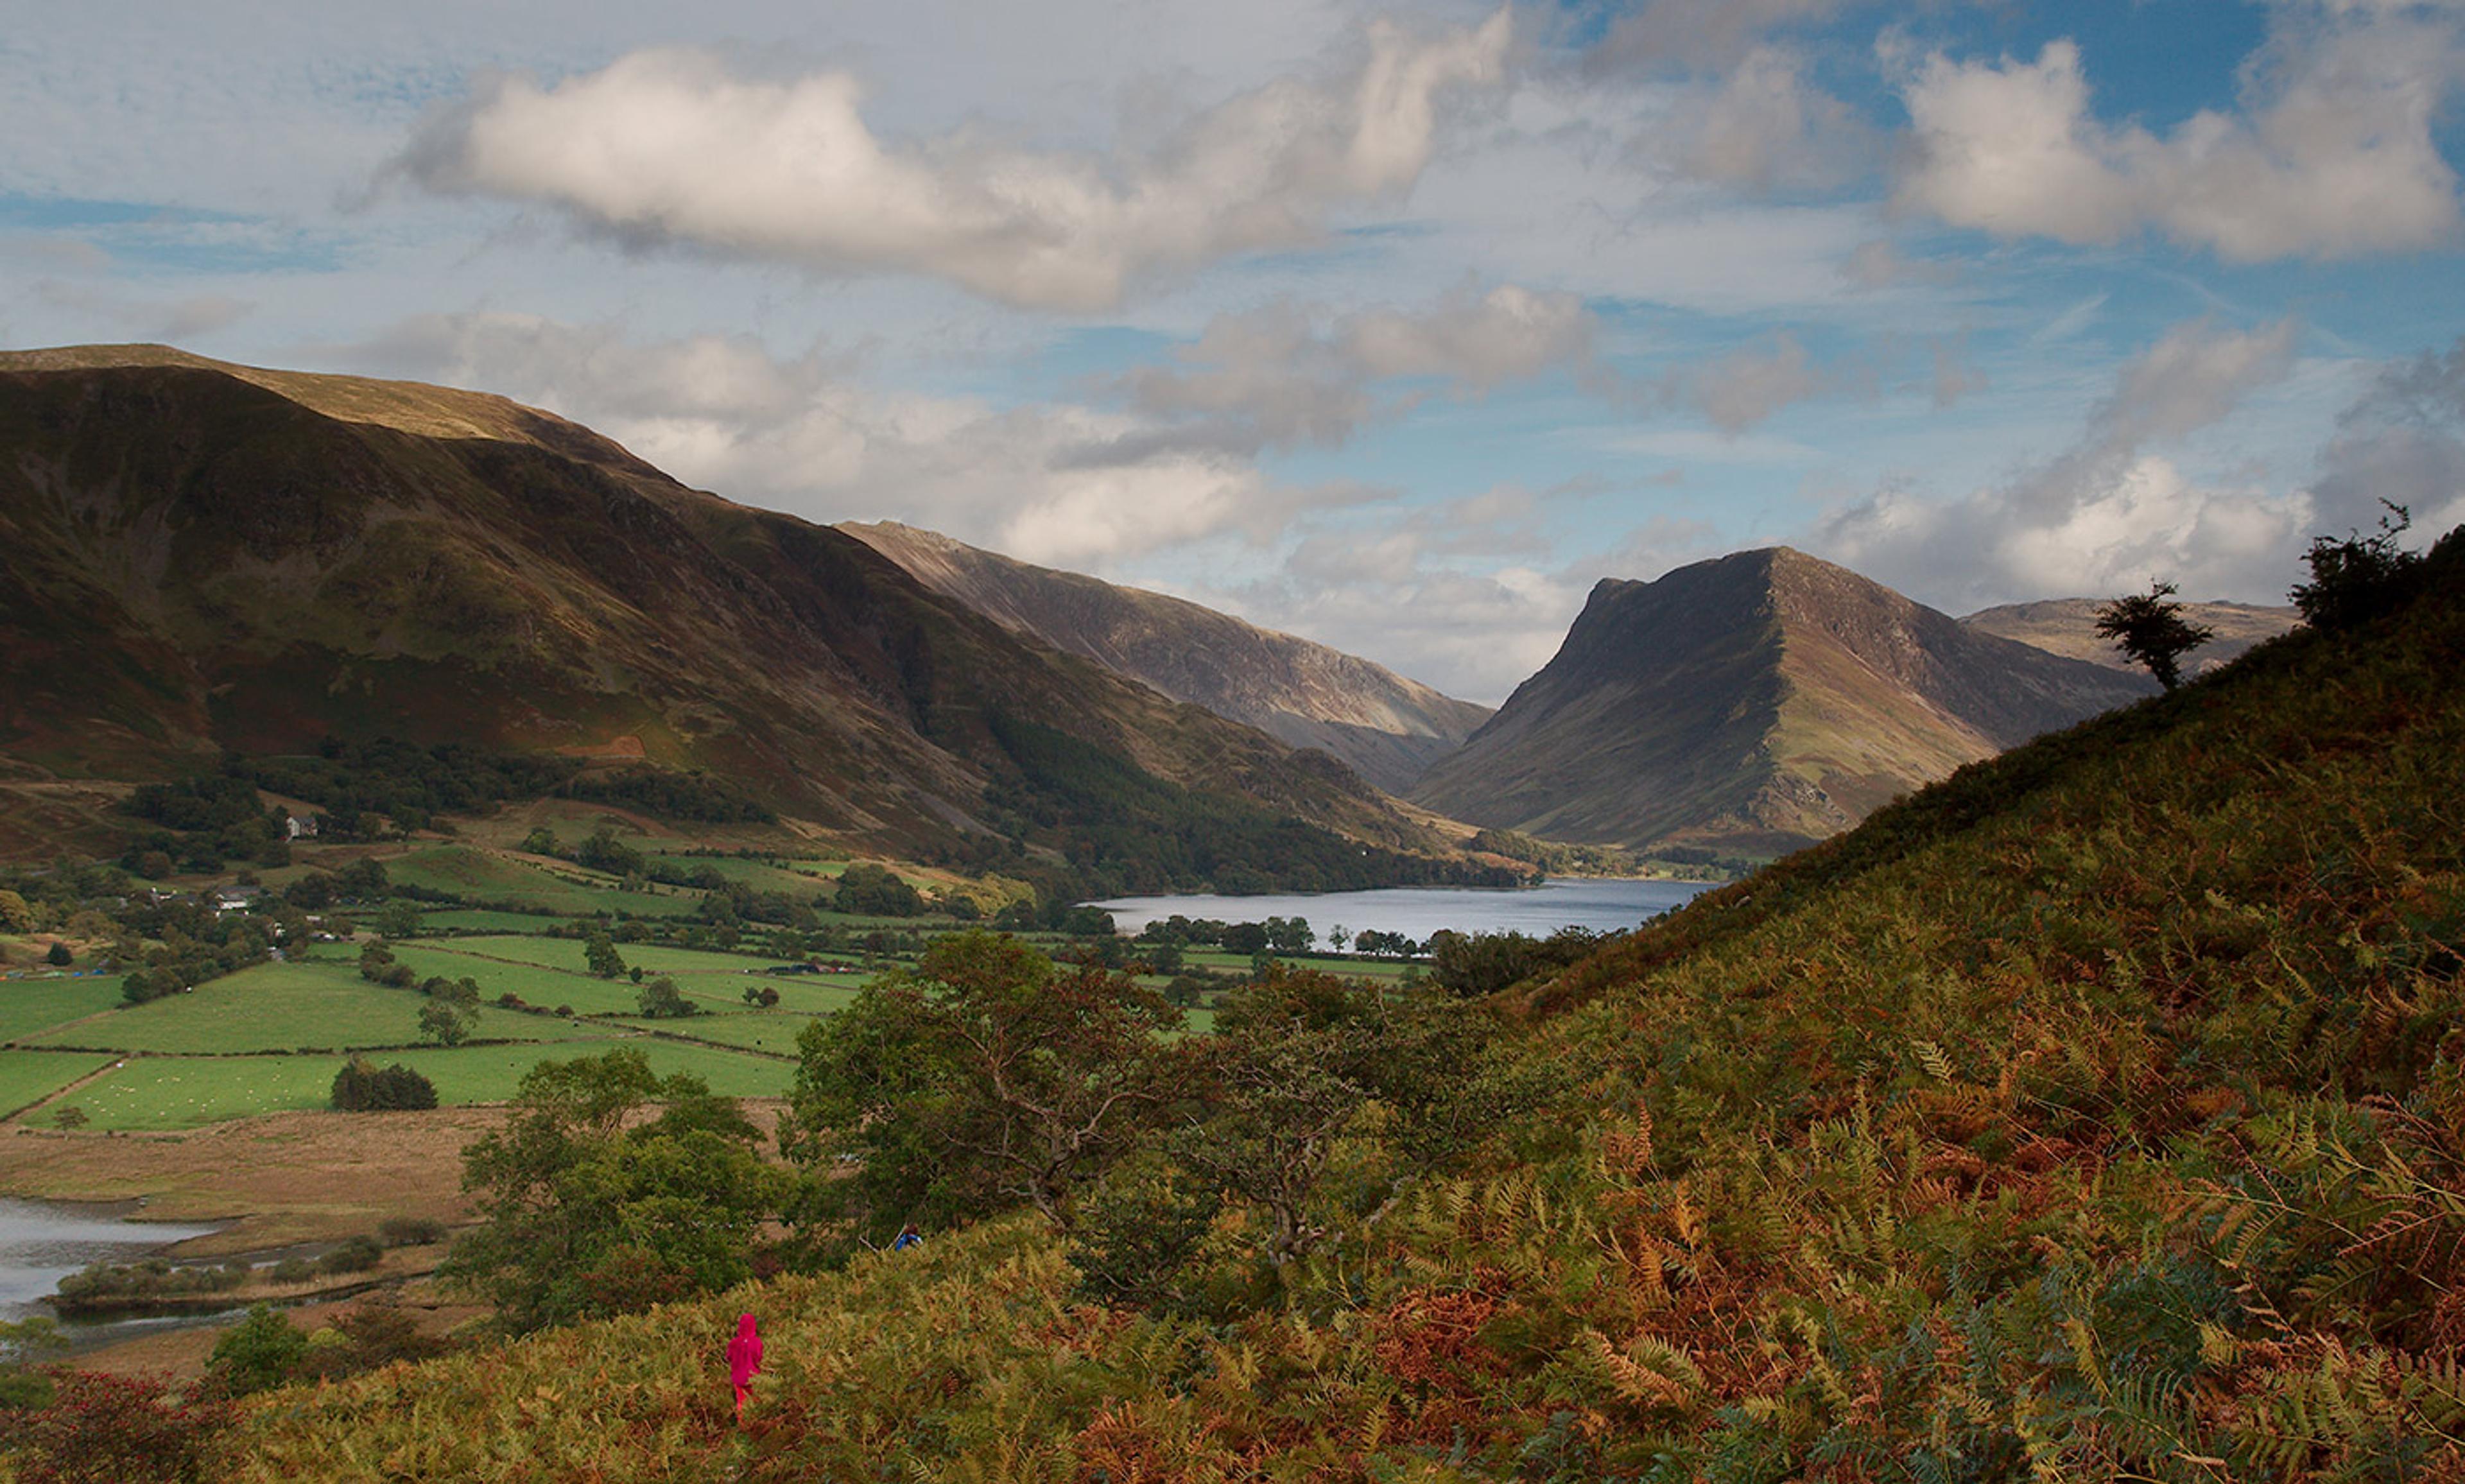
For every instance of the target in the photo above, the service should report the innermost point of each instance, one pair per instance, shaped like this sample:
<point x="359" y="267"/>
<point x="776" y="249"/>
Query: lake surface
<point x="41" y="1243"/>
<point x="1416" y="912"/>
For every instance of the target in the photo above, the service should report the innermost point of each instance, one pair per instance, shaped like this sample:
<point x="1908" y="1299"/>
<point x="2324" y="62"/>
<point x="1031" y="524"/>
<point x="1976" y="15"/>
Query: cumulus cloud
<point x="2331" y="154"/>
<point x="1700" y="36"/>
<point x="146" y="318"/>
<point x="803" y="434"/>
<point x="2403" y="442"/>
<point x="671" y="146"/>
<point x="2109" y="512"/>
<point x="1743" y="387"/>
<point x="1767" y="127"/>
<point x="1286" y="375"/>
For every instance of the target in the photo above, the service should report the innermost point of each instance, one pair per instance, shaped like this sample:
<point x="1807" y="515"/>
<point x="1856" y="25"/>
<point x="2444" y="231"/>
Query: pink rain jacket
<point x="743" y="1357"/>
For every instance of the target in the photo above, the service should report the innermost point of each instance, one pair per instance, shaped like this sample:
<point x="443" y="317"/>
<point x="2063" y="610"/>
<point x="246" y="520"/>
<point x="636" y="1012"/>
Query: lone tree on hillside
<point x="2149" y="628"/>
<point x="2360" y="577"/>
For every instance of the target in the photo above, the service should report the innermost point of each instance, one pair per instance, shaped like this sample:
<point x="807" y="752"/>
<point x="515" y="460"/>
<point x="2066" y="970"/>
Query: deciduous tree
<point x="985" y="1077"/>
<point x="2150" y="630"/>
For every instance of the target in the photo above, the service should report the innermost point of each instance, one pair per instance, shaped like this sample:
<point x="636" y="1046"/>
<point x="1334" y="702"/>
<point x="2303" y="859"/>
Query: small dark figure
<point x="743" y="1361"/>
<point x="907" y="1238"/>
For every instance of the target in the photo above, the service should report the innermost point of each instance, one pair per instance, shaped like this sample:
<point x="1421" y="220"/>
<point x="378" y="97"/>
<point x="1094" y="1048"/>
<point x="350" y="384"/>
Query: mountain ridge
<point x="206" y="557"/>
<point x="1753" y="704"/>
<point x="1390" y="728"/>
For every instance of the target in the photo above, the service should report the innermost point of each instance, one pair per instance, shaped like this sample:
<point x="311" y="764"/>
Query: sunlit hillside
<point x="2099" y="1112"/>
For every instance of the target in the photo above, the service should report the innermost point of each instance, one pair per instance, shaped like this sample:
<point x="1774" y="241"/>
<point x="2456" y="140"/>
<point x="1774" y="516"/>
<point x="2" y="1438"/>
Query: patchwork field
<point x="30" y="1005"/>
<point x="318" y="1006"/>
<point x="28" y="1077"/>
<point x="189" y="1091"/>
<point x="469" y="872"/>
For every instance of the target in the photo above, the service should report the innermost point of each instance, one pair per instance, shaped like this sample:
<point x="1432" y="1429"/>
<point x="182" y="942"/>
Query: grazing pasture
<point x="318" y="1006"/>
<point x="28" y="1006"/>
<point x="28" y="1077"/>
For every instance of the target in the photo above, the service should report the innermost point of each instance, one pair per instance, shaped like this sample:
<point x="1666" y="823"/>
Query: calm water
<point x="1417" y="912"/>
<point x="41" y="1243"/>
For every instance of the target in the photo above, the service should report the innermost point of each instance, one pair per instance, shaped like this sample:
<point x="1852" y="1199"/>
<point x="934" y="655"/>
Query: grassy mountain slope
<point x="2096" y="1114"/>
<point x="204" y="555"/>
<point x="1387" y="728"/>
<point x="2068" y="626"/>
<point x="1755" y="704"/>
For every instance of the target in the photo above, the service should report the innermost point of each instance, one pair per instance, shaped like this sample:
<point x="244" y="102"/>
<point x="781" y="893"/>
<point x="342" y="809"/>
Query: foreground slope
<point x="1387" y="728"/>
<point x="204" y="556"/>
<point x="2097" y="1113"/>
<point x="1755" y="704"/>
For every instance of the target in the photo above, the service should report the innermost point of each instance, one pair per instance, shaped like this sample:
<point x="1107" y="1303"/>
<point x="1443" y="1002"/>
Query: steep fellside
<point x="2068" y="626"/>
<point x="201" y="557"/>
<point x="1753" y="704"/>
<point x="1388" y="728"/>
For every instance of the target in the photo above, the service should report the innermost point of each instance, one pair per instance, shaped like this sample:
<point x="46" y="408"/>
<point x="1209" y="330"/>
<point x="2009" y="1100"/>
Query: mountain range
<point x="205" y="557"/>
<point x="1751" y="705"/>
<point x="1387" y="728"/>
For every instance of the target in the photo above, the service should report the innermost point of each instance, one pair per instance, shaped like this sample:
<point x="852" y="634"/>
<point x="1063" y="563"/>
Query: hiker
<point x="907" y="1238"/>
<point x="744" y="1360"/>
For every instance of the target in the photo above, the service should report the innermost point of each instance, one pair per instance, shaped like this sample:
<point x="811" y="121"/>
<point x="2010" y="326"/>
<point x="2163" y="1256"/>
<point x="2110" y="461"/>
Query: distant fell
<point x="1387" y="727"/>
<point x="2068" y="626"/>
<point x="204" y="557"/>
<point x="1751" y="705"/>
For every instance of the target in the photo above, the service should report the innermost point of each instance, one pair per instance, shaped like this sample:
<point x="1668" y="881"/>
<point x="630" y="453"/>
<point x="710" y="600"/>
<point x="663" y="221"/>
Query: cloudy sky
<point x="1397" y="325"/>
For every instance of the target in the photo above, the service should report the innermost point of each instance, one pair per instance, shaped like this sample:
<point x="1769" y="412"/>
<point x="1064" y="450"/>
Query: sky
<point x="1393" y="325"/>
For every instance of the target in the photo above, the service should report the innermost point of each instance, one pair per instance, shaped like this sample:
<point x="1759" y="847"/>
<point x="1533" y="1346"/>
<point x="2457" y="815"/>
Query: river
<point x="41" y="1243"/>
<point x="1611" y="905"/>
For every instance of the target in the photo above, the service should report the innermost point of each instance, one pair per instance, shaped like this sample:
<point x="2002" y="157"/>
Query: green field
<point x="469" y="872"/>
<point x="28" y="1077"/>
<point x="281" y="1008"/>
<point x="548" y="972"/>
<point x="480" y="920"/>
<point x="184" y="1092"/>
<point x="767" y="1030"/>
<point x="28" y="1006"/>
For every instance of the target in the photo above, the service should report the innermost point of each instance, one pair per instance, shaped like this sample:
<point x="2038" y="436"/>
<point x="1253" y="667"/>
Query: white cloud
<point x="670" y="146"/>
<point x="2401" y="442"/>
<point x="1768" y="128"/>
<point x="1275" y="378"/>
<point x="1699" y="34"/>
<point x="2331" y="156"/>
<point x="2108" y="513"/>
<point x="1743" y="387"/>
<point x="721" y="412"/>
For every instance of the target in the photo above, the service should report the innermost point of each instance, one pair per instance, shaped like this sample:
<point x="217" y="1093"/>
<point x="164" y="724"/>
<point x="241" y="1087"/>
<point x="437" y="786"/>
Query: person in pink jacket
<point x="744" y="1360"/>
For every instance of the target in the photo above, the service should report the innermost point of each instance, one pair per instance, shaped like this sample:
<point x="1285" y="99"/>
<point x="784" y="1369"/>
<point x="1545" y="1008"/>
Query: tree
<point x="584" y="1215"/>
<point x="399" y="920"/>
<point x="660" y="999"/>
<point x="599" y="953"/>
<point x="362" y="1087"/>
<point x="15" y="915"/>
<point x="259" y="1353"/>
<point x="69" y="1116"/>
<point x="443" y="1024"/>
<point x="59" y="957"/>
<point x="872" y="891"/>
<point x="2360" y="577"/>
<point x="1288" y="1080"/>
<point x="984" y="1077"/>
<point x="2150" y="630"/>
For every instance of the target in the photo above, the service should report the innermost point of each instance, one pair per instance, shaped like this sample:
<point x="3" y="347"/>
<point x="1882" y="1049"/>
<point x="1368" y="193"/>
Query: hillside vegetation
<point x="2099" y="1112"/>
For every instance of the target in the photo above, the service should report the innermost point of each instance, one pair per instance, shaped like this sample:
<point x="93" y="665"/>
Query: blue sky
<point x="1394" y="326"/>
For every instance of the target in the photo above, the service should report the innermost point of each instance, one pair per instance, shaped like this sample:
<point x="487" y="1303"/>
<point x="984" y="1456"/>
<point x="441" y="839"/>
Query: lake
<point x="41" y="1243"/>
<point x="1416" y="912"/>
